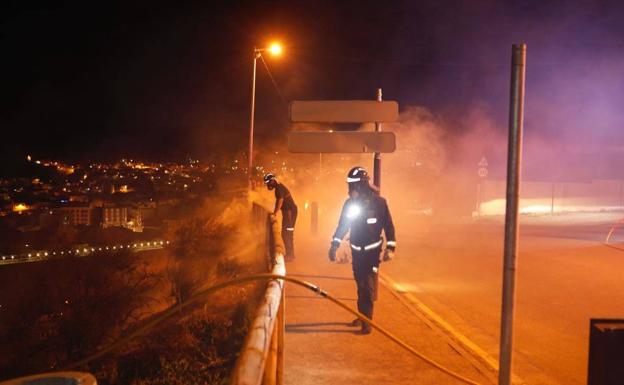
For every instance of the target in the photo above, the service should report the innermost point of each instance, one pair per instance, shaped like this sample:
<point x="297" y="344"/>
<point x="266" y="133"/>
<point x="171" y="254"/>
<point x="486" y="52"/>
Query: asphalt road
<point x="565" y="276"/>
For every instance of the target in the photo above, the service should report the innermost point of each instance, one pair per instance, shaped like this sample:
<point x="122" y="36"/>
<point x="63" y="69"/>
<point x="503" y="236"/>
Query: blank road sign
<point x="343" y="111"/>
<point x="341" y="141"/>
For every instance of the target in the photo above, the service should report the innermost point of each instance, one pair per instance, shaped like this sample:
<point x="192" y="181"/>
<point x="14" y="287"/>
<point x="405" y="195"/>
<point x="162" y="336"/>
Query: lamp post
<point x="275" y="49"/>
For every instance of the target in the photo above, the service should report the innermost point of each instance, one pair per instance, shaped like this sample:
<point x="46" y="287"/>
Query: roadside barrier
<point x="261" y="360"/>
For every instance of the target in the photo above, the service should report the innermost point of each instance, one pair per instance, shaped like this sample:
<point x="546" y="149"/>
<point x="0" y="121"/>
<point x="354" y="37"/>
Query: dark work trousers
<point x="289" y="218"/>
<point x="365" y="270"/>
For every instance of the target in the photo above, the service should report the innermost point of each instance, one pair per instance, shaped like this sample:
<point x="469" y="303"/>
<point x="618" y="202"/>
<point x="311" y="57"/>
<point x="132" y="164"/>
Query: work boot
<point x="356" y="322"/>
<point x="366" y="328"/>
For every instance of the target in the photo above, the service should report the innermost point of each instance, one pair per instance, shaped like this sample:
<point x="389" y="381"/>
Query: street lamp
<point x="274" y="49"/>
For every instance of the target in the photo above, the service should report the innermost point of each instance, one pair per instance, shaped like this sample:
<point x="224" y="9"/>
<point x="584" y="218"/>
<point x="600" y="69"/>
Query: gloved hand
<point x="332" y="253"/>
<point x="388" y="255"/>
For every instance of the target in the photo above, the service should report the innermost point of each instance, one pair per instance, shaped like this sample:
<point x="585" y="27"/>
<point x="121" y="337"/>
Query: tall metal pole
<point x="377" y="158"/>
<point x="514" y="157"/>
<point x="251" y="121"/>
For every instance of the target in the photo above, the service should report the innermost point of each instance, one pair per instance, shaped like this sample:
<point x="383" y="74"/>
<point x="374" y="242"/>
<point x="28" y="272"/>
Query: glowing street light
<point x="274" y="49"/>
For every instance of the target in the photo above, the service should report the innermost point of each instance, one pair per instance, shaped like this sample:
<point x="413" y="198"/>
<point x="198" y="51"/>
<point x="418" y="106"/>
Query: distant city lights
<point x="31" y="257"/>
<point x="20" y="208"/>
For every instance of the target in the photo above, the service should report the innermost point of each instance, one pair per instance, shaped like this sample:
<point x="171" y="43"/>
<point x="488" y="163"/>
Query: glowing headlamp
<point x="353" y="211"/>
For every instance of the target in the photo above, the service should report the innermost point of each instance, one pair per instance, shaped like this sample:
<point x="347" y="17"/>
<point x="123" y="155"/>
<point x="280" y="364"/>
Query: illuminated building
<point x="114" y="216"/>
<point x="76" y="214"/>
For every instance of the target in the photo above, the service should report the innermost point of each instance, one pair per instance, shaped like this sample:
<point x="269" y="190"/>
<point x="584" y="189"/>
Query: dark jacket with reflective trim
<point x="366" y="227"/>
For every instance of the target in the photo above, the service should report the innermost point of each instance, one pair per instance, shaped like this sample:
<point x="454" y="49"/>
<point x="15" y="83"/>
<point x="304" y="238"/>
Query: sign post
<point x="514" y="156"/>
<point x="377" y="156"/>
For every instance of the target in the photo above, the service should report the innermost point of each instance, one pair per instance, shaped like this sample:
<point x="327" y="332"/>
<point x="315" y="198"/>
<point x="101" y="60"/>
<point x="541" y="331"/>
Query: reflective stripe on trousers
<point x="367" y="247"/>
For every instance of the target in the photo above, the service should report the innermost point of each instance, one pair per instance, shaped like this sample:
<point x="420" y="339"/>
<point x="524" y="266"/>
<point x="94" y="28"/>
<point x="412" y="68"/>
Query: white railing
<point x="261" y="360"/>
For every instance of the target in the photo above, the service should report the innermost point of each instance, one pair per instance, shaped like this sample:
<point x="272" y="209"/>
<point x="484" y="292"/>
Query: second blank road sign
<point x="341" y="141"/>
<point x="343" y="111"/>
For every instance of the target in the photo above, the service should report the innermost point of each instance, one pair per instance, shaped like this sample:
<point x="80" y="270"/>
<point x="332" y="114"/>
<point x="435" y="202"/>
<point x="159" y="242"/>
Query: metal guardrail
<point x="261" y="360"/>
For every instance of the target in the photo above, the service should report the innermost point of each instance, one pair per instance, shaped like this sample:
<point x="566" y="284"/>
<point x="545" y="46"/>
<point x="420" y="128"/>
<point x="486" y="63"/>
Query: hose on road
<point x="258" y="277"/>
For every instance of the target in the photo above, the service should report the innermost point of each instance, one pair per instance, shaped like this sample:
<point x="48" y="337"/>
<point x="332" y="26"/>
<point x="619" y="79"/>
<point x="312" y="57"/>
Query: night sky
<point x="85" y="80"/>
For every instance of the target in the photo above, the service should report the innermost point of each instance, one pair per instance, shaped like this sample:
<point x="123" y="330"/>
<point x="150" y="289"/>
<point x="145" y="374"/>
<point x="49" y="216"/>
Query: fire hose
<point x="258" y="277"/>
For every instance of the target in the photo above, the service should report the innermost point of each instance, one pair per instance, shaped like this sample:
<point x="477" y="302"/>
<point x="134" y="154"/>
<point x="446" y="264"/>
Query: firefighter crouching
<point x="365" y="214"/>
<point x="284" y="202"/>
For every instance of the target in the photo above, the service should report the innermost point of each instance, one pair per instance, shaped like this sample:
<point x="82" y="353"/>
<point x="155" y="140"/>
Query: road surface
<point x="565" y="276"/>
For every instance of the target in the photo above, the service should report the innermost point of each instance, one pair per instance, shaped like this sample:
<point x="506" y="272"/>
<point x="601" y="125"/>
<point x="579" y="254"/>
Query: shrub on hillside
<point x="63" y="310"/>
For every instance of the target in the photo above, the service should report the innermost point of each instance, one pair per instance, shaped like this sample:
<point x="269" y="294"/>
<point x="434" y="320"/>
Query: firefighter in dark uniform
<point x="365" y="214"/>
<point x="285" y="202"/>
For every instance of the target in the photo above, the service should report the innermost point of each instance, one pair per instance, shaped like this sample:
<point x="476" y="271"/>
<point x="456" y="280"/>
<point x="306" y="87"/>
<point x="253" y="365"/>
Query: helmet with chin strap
<point x="358" y="179"/>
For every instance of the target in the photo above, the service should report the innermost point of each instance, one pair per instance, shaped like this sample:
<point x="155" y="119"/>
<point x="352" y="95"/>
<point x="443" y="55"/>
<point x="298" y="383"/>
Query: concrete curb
<point x="424" y="311"/>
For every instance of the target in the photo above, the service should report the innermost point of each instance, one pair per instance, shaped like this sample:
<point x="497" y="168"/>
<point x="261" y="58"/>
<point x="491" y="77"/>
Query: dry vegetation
<point x="57" y="312"/>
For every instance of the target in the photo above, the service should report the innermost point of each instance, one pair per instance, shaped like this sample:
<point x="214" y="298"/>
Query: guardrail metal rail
<point x="261" y="360"/>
